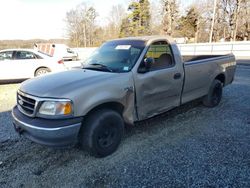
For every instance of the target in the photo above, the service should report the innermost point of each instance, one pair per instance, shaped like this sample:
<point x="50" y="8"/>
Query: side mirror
<point x="146" y="65"/>
<point x="148" y="62"/>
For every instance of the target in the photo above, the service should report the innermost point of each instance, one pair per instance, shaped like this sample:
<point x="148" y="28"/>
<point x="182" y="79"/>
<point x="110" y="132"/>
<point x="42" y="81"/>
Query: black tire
<point x="42" y="71"/>
<point x="101" y="132"/>
<point x="214" y="95"/>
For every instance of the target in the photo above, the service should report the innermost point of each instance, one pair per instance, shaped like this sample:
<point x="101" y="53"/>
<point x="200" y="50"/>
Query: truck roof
<point x="149" y="38"/>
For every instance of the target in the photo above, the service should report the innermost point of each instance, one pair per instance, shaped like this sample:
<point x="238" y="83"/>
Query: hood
<point x="58" y="84"/>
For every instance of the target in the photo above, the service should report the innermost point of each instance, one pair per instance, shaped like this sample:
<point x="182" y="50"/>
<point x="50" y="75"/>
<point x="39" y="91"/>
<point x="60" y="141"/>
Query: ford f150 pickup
<point x="124" y="81"/>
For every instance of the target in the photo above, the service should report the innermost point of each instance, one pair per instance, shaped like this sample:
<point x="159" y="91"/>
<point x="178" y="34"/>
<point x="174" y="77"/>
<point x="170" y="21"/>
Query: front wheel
<point x="102" y="132"/>
<point x="214" y="95"/>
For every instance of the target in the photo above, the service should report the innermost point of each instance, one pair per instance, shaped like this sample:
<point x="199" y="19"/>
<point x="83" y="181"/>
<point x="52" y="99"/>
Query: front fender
<point x="126" y="99"/>
<point x="118" y="90"/>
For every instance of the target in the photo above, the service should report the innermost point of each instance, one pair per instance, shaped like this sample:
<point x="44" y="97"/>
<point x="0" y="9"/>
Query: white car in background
<point x="18" y="64"/>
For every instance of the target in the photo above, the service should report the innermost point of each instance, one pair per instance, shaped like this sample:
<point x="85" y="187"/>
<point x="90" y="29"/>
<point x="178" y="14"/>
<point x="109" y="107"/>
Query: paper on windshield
<point x="125" y="68"/>
<point x="123" y="47"/>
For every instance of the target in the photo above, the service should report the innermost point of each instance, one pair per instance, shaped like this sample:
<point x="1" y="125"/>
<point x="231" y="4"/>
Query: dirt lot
<point x="192" y="146"/>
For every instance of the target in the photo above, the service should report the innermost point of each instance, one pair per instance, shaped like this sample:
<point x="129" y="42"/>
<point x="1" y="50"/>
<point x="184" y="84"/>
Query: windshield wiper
<point x="100" y="65"/>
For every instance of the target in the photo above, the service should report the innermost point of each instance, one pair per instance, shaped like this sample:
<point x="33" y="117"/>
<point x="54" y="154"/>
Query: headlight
<point x="56" y="108"/>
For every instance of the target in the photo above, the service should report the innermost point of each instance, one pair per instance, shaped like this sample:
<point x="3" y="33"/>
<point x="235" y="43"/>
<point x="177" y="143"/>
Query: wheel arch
<point x="221" y="77"/>
<point x="116" y="106"/>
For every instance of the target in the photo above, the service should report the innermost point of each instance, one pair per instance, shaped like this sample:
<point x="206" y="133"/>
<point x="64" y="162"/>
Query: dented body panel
<point x="87" y="89"/>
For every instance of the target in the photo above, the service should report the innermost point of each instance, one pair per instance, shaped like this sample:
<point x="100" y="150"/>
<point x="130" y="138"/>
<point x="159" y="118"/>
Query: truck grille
<point x="26" y="104"/>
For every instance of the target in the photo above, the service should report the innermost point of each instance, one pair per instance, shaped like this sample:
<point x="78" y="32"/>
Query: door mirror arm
<point x="146" y="65"/>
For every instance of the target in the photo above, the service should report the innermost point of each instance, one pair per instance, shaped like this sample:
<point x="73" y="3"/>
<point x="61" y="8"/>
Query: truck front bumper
<point x="57" y="133"/>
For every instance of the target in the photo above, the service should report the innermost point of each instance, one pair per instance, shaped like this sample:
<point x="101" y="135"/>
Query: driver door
<point x="159" y="88"/>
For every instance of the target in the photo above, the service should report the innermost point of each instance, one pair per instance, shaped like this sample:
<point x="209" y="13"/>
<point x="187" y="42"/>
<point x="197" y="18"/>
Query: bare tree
<point x="170" y="16"/>
<point x="73" y="27"/>
<point x="115" y="20"/>
<point x="244" y="21"/>
<point x="213" y="19"/>
<point x="156" y="18"/>
<point x="81" y="25"/>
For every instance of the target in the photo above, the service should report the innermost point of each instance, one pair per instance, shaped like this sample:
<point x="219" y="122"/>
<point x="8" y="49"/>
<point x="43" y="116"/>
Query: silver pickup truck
<point x="124" y="81"/>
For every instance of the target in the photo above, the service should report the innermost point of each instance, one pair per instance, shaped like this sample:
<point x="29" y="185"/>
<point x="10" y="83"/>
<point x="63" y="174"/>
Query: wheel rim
<point x="217" y="94"/>
<point x="41" y="72"/>
<point x="106" y="136"/>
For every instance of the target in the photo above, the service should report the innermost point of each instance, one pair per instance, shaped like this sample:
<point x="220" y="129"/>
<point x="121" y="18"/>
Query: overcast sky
<point x="29" y="19"/>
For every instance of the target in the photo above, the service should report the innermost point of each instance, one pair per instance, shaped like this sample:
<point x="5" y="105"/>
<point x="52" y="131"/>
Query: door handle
<point x="177" y="76"/>
<point x="129" y="88"/>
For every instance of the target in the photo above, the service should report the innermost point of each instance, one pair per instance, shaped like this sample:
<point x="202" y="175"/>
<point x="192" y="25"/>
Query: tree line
<point x="201" y="21"/>
<point x="7" y="44"/>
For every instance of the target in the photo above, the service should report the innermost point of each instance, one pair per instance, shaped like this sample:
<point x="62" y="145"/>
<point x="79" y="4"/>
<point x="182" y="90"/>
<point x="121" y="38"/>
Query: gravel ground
<point x="192" y="146"/>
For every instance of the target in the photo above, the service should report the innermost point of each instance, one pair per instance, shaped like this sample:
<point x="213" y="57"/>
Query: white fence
<point x="240" y="49"/>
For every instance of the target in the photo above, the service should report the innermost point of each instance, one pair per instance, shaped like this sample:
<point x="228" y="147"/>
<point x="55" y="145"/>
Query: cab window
<point x="161" y="54"/>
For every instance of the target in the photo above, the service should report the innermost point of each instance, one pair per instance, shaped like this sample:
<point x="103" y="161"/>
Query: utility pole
<point x="213" y="19"/>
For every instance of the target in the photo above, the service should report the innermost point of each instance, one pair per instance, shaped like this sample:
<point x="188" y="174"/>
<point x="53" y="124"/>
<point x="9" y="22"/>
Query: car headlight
<point x="56" y="108"/>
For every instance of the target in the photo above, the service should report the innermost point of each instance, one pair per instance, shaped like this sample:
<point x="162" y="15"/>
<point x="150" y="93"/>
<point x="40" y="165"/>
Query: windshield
<point x="115" y="56"/>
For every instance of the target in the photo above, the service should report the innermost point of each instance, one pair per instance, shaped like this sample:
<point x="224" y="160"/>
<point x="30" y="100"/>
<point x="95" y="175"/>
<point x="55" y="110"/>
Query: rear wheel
<point x="214" y="95"/>
<point x="102" y="132"/>
<point x="42" y="71"/>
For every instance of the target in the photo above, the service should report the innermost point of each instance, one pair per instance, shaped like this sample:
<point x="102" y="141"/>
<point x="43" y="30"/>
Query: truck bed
<point x="200" y="70"/>
<point x="189" y="58"/>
